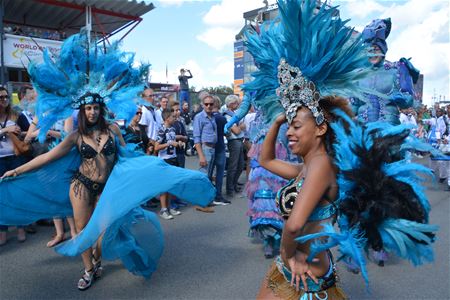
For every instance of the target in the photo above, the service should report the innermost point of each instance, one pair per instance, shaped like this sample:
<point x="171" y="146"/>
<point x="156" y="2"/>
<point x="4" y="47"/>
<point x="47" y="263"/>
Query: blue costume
<point x="85" y="75"/>
<point x="392" y="81"/>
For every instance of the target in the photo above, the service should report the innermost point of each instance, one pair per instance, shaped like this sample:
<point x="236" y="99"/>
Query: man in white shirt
<point x="148" y="118"/>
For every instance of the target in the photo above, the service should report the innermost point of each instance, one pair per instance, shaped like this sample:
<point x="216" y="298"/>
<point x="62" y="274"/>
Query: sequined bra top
<point x="87" y="152"/>
<point x="287" y="195"/>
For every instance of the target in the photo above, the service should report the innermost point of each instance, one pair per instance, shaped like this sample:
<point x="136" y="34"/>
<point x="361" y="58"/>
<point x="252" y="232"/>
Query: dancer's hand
<point x="281" y="119"/>
<point x="300" y="270"/>
<point x="10" y="173"/>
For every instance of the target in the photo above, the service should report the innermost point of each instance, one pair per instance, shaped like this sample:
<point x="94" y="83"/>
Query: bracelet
<point x="32" y="122"/>
<point x="15" y="172"/>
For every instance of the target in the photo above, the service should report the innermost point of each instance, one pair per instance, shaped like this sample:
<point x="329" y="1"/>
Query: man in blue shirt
<point x="205" y="135"/>
<point x="205" y="138"/>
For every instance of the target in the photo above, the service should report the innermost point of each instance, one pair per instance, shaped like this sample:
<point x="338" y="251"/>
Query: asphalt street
<point x="210" y="256"/>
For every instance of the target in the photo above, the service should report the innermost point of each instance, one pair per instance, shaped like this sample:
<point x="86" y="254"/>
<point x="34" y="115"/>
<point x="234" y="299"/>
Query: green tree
<point x="220" y="90"/>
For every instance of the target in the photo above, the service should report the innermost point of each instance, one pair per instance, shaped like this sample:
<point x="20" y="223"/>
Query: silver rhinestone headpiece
<point x="296" y="91"/>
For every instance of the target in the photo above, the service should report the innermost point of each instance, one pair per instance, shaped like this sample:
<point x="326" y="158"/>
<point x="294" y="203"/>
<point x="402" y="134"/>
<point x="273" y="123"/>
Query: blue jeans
<point x="184" y="97"/>
<point x="209" y="153"/>
<point x="219" y="163"/>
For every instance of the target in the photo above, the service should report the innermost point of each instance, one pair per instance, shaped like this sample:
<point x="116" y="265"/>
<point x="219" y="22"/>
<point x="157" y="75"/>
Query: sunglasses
<point x="139" y="113"/>
<point x="208" y="104"/>
<point x="4" y="97"/>
<point x="148" y="96"/>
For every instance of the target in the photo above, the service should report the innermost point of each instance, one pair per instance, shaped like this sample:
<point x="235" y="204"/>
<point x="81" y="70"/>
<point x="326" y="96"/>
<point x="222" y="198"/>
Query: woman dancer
<point x="313" y="190"/>
<point x="95" y="139"/>
<point x="262" y="185"/>
<point x="353" y="175"/>
<point x="103" y="180"/>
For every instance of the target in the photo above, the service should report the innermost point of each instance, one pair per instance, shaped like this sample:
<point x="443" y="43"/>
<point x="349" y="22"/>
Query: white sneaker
<point x="174" y="212"/>
<point x="165" y="215"/>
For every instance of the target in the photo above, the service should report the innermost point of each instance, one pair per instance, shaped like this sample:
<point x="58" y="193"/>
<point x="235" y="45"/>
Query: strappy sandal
<point x="97" y="269"/>
<point x="86" y="280"/>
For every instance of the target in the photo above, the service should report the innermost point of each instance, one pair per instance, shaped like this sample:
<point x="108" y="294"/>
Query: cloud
<point x="218" y="37"/>
<point x="442" y="35"/>
<point x="224" y="20"/>
<point x="225" y="69"/>
<point x="360" y="9"/>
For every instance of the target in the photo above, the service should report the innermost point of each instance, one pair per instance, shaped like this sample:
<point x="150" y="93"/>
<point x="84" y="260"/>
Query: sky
<point x="199" y="35"/>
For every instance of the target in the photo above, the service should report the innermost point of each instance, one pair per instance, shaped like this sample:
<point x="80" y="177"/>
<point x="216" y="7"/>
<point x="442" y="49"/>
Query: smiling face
<point x="92" y="112"/>
<point x="303" y="133"/>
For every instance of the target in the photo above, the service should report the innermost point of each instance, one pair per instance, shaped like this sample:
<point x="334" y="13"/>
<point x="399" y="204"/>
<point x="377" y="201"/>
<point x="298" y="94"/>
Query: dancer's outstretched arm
<point x="59" y="151"/>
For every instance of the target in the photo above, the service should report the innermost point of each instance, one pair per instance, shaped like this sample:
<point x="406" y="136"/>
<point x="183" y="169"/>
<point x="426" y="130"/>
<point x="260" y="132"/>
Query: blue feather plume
<point x="80" y="69"/>
<point x="409" y="240"/>
<point x="318" y="42"/>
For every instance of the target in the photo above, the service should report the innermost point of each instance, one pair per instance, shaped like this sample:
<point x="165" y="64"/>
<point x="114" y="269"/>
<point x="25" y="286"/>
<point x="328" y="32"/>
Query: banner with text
<point x="19" y="50"/>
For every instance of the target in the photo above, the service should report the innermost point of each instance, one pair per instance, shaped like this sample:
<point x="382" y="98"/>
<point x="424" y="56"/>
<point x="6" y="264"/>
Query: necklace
<point x="98" y="139"/>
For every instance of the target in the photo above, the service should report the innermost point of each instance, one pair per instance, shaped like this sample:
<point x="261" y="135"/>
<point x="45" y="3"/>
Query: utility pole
<point x="2" y="38"/>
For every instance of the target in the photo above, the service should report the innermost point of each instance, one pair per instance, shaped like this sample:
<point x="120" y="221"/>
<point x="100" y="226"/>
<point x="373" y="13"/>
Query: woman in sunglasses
<point x="8" y="159"/>
<point x="134" y="134"/>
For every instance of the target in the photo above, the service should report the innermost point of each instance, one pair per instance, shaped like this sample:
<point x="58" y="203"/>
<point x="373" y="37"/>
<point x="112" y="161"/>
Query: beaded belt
<point x="94" y="187"/>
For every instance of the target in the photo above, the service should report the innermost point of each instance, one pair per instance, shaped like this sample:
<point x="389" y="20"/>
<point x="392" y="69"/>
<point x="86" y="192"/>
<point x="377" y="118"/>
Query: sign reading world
<point x="19" y="50"/>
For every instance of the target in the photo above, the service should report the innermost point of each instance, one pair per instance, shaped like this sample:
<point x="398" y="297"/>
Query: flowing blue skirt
<point x="131" y="233"/>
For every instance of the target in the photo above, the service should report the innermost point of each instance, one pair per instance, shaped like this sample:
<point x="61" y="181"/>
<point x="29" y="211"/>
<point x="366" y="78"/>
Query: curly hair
<point x="328" y="104"/>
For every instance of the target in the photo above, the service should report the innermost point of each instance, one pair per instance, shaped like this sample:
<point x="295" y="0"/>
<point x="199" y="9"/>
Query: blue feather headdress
<point x="302" y="56"/>
<point x="84" y="74"/>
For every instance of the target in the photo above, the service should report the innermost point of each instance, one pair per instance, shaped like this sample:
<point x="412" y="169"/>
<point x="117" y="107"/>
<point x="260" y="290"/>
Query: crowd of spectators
<point x="432" y="125"/>
<point x="171" y="130"/>
<point x="22" y="30"/>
